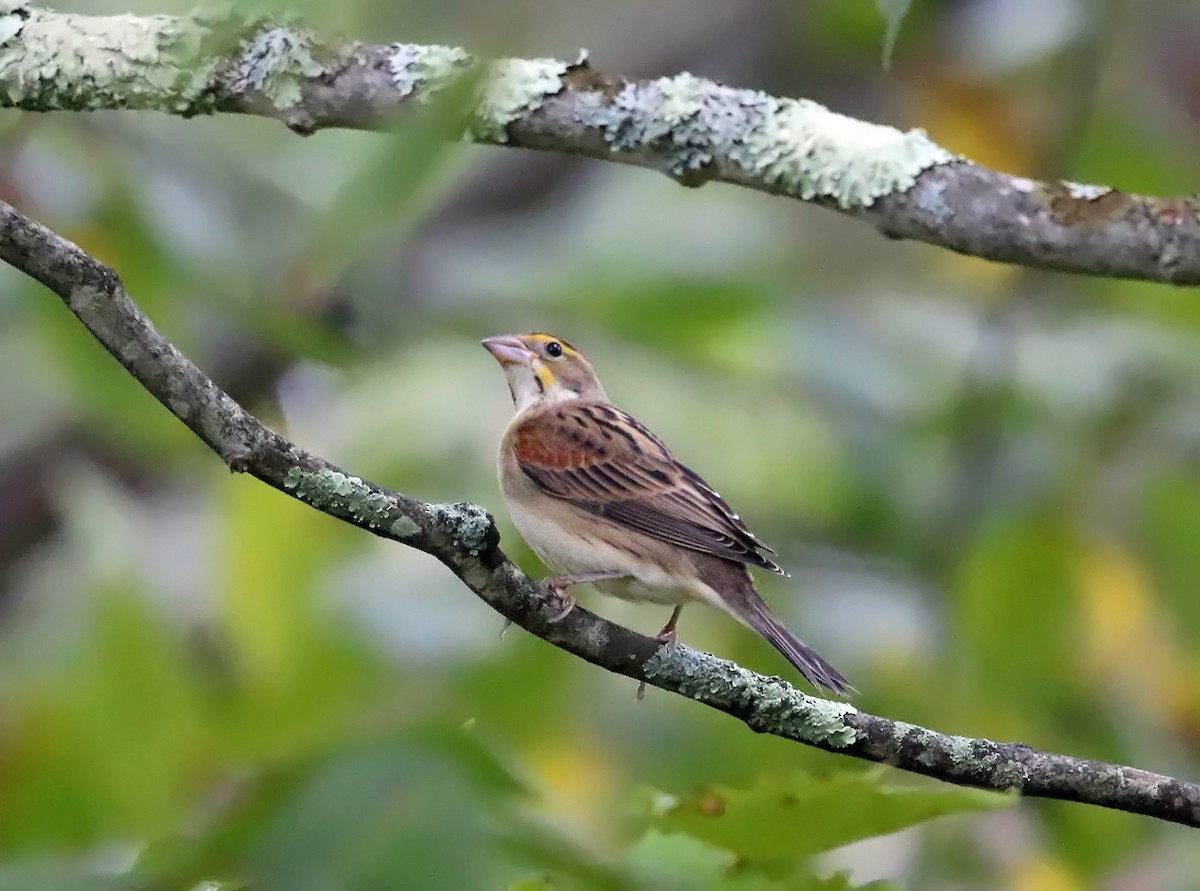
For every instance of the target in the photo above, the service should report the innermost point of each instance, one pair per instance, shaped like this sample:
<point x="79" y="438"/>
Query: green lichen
<point x="54" y="61"/>
<point x="767" y="704"/>
<point x="961" y="749"/>
<point x="514" y="88"/>
<point x="816" y="153"/>
<point x="404" y="527"/>
<point x="343" y="496"/>
<point x="797" y="145"/>
<point x="422" y="71"/>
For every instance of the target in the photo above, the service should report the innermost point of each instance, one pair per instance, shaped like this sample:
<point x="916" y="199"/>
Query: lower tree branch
<point x="464" y="538"/>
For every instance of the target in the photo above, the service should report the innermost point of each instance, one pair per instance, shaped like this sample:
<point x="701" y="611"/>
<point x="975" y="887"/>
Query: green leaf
<point x="542" y="845"/>
<point x="344" y="818"/>
<point x="1018" y="582"/>
<point x="798" y="814"/>
<point x="1170" y="530"/>
<point x="301" y="676"/>
<point x="185" y="860"/>
<point x="57" y="876"/>
<point x="109" y="747"/>
<point x="463" y="747"/>
<point x="673" y="860"/>
<point x="662" y="860"/>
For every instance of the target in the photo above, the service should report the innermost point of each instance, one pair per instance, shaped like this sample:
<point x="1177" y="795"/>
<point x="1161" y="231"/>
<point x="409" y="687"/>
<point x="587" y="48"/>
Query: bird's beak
<point x="508" y="350"/>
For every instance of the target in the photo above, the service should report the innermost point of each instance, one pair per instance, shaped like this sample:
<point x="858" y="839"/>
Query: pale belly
<point x="568" y="554"/>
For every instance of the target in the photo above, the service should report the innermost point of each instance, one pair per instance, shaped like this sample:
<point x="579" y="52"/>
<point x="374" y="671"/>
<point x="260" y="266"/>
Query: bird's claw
<point x="566" y="602"/>
<point x="505" y="627"/>
<point x="556" y="589"/>
<point x="668" y="637"/>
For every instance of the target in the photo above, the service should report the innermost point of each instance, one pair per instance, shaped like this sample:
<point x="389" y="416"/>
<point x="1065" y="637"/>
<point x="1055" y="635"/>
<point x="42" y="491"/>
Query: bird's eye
<point x="554" y="349"/>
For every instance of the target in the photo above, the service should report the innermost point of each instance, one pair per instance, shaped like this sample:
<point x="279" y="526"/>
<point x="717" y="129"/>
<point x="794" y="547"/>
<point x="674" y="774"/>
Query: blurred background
<point x="982" y="478"/>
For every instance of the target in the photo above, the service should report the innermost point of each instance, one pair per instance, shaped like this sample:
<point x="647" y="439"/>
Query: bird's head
<point x="543" y="369"/>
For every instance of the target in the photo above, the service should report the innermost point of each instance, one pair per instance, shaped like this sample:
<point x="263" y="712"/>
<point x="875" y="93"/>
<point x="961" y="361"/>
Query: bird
<point x="602" y="500"/>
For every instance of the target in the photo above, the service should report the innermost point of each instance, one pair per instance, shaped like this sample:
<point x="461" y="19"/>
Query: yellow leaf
<point x="1043" y="874"/>
<point x="578" y="785"/>
<point x="1125" y="641"/>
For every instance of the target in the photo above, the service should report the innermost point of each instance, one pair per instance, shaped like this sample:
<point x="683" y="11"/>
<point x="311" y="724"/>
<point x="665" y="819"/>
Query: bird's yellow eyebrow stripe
<point x="546" y="338"/>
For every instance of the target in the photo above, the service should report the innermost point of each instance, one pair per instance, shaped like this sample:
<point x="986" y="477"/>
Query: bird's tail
<point x="816" y="670"/>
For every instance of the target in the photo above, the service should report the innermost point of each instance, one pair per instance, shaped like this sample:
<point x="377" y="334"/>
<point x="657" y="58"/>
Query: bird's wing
<point x="604" y="461"/>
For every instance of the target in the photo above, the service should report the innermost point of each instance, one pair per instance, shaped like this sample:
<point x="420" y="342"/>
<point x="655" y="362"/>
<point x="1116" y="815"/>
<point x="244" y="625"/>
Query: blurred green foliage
<point x="982" y="479"/>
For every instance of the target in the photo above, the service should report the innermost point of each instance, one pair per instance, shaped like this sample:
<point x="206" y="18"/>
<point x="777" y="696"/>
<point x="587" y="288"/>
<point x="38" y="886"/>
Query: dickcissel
<point x="601" y="499"/>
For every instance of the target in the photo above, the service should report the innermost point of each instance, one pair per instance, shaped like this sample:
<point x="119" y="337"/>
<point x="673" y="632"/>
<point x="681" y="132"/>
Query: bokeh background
<point x="982" y="478"/>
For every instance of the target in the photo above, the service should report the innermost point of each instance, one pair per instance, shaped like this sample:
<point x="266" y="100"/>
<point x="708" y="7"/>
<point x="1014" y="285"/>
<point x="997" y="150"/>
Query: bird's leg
<point x="668" y="635"/>
<point x="557" y="587"/>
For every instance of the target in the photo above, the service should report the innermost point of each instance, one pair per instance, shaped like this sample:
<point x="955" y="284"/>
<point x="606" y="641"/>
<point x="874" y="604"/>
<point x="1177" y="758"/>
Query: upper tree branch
<point x="464" y="538"/>
<point x="689" y="128"/>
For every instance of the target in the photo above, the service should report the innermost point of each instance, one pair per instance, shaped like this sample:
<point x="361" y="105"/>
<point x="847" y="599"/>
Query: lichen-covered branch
<point x="464" y="538"/>
<point x="687" y="127"/>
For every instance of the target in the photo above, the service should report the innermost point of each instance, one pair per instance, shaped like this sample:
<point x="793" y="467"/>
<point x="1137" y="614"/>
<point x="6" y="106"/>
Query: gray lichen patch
<point x="470" y="525"/>
<point x="510" y="88"/>
<point x="1085" y="191"/>
<point x="12" y="20"/>
<point x="767" y="704"/>
<point x="54" y="61"/>
<point x="687" y="116"/>
<point x="342" y="495"/>
<point x="979" y="758"/>
<point x="276" y="62"/>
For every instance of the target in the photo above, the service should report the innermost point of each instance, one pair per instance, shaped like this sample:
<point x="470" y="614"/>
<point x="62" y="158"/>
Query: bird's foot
<point x="566" y="603"/>
<point x="667" y="634"/>
<point x="668" y="637"/>
<point x="557" y="587"/>
<point x="504" y="627"/>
